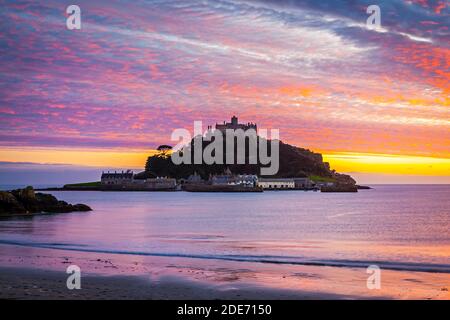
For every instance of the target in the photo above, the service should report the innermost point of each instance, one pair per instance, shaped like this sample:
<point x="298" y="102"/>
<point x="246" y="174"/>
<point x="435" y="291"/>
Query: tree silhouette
<point x="164" y="150"/>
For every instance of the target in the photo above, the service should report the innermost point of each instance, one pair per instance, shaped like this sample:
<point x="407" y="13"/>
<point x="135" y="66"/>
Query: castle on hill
<point x="234" y="125"/>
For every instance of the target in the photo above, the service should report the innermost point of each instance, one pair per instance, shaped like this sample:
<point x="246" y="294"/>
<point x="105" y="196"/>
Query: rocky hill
<point x="294" y="162"/>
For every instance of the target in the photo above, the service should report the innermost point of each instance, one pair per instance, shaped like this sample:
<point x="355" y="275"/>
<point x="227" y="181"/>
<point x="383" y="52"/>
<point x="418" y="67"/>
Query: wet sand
<point x="35" y="273"/>
<point x="39" y="284"/>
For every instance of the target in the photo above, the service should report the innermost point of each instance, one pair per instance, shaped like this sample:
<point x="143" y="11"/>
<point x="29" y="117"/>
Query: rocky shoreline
<point x="26" y="202"/>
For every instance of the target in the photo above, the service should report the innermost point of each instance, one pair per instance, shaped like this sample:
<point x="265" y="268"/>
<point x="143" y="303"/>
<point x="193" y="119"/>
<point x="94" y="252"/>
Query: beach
<point x="41" y="274"/>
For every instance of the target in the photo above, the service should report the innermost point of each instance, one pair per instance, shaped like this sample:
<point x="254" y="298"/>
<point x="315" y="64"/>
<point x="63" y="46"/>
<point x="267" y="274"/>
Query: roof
<point x="117" y="175"/>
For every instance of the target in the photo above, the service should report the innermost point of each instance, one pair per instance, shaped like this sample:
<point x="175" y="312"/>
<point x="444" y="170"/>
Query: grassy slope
<point x="85" y="184"/>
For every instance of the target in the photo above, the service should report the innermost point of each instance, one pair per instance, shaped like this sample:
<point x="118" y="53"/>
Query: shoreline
<point x="116" y="276"/>
<point x="433" y="268"/>
<point x="189" y="191"/>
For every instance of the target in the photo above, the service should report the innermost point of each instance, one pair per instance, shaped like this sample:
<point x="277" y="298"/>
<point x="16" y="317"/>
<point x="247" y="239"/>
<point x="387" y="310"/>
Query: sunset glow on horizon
<point x="352" y="163"/>
<point x="107" y="95"/>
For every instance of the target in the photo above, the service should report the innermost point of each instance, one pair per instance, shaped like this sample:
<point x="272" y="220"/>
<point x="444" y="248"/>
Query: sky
<point x="375" y="103"/>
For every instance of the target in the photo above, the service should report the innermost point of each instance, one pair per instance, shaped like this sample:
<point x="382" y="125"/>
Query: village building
<point x="194" y="178"/>
<point x="228" y="178"/>
<point x="303" y="183"/>
<point x="276" y="183"/>
<point x="117" y="178"/>
<point x="124" y="180"/>
<point x="221" y="179"/>
<point x="246" y="180"/>
<point x="160" y="183"/>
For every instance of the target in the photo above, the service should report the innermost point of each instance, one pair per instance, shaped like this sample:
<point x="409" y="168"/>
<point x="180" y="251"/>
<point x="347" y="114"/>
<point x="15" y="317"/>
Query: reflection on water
<point x="403" y="224"/>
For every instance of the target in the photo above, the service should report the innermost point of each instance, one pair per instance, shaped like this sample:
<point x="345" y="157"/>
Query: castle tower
<point x="234" y="125"/>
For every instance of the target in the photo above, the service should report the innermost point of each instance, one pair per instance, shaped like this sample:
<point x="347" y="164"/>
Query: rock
<point x="81" y="207"/>
<point x="343" y="179"/>
<point x="9" y="204"/>
<point x="340" y="188"/>
<point x="27" y="198"/>
<point x="49" y="203"/>
<point x="46" y="198"/>
<point x="363" y="187"/>
<point x="26" y="194"/>
<point x="22" y="201"/>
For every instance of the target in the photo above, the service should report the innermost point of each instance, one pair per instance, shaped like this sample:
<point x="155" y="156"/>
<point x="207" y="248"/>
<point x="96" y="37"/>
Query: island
<point x="299" y="169"/>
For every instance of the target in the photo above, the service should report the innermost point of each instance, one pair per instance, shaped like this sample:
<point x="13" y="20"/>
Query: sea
<point x="397" y="227"/>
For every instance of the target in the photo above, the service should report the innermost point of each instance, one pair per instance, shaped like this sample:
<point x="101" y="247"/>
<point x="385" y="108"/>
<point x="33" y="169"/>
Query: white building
<point x="246" y="180"/>
<point x="276" y="183"/>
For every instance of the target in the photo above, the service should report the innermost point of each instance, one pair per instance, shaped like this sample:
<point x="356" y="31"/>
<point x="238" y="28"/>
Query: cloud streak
<point x="138" y="69"/>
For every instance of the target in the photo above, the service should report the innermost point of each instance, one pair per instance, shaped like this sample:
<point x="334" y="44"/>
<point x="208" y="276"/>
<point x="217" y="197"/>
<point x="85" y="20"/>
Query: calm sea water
<point x="404" y="227"/>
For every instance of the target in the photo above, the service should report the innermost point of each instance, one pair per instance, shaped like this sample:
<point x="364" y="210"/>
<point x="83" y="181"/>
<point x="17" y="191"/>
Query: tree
<point x="164" y="150"/>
